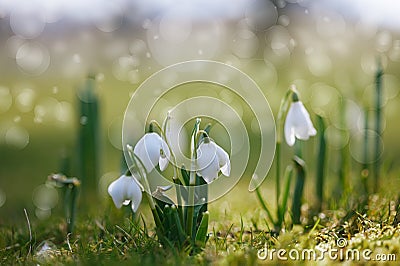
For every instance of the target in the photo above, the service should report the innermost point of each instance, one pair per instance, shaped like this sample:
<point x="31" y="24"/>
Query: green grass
<point x="236" y="232"/>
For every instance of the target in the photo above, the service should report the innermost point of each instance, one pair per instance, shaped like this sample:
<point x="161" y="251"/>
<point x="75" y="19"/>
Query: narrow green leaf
<point x="285" y="197"/>
<point x="299" y="187"/>
<point x="264" y="206"/>
<point x="201" y="234"/>
<point x="180" y="231"/>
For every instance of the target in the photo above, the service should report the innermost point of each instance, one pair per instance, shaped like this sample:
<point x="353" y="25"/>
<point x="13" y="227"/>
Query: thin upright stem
<point x="378" y="123"/>
<point x="192" y="181"/>
<point x="278" y="175"/>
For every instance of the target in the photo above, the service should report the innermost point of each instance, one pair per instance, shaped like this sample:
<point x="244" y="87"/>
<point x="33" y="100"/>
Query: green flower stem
<point x="285" y="103"/>
<point x="147" y="190"/>
<point x="283" y="206"/>
<point x="88" y="137"/>
<point x="378" y="123"/>
<point x="277" y="175"/>
<point x="365" y="170"/>
<point x="343" y="158"/>
<point x="72" y="212"/>
<point x="299" y="187"/>
<point x="320" y="162"/>
<point x="192" y="180"/>
<point x="175" y="178"/>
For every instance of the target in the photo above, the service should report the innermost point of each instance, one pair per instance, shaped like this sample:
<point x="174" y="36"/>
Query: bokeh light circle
<point x="5" y="99"/>
<point x="357" y="146"/>
<point x="27" y="21"/>
<point x="33" y="58"/>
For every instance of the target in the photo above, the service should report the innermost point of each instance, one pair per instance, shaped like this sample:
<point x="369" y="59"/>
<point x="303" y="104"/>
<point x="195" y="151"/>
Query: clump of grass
<point x="100" y="241"/>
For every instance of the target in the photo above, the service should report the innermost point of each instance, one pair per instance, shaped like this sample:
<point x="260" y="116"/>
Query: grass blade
<point x="201" y="234"/>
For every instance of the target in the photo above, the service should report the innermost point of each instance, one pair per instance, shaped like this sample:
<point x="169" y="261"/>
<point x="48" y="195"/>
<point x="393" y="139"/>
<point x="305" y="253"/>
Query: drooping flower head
<point x="211" y="158"/>
<point x="151" y="149"/>
<point x="125" y="190"/>
<point x="298" y="123"/>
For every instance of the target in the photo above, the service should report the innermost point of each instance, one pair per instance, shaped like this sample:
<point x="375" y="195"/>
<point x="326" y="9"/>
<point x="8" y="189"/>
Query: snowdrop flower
<point x="125" y="190"/>
<point x="211" y="158"/>
<point x="298" y="123"/>
<point x="152" y="150"/>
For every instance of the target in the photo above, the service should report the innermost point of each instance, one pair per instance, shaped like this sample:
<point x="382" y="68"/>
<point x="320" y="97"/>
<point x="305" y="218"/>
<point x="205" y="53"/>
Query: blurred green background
<point x="329" y="49"/>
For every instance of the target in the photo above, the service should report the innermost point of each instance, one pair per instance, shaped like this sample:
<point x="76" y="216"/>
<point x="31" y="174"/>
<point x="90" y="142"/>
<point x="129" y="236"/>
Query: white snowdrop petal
<point x="114" y="190"/>
<point x="164" y="159"/>
<point x="148" y="150"/>
<point x="124" y="190"/>
<point x="224" y="162"/>
<point x="134" y="193"/>
<point x="210" y="172"/>
<point x="163" y="163"/>
<point x="206" y="154"/>
<point x="288" y="129"/>
<point x="312" y="131"/>
<point x="298" y="124"/>
<point x="207" y="161"/>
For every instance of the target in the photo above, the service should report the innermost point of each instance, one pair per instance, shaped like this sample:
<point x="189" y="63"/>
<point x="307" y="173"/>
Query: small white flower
<point x="211" y="158"/>
<point x="125" y="190"/>
<point x="298" y="124"/>
<point x="152" y="150"/>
